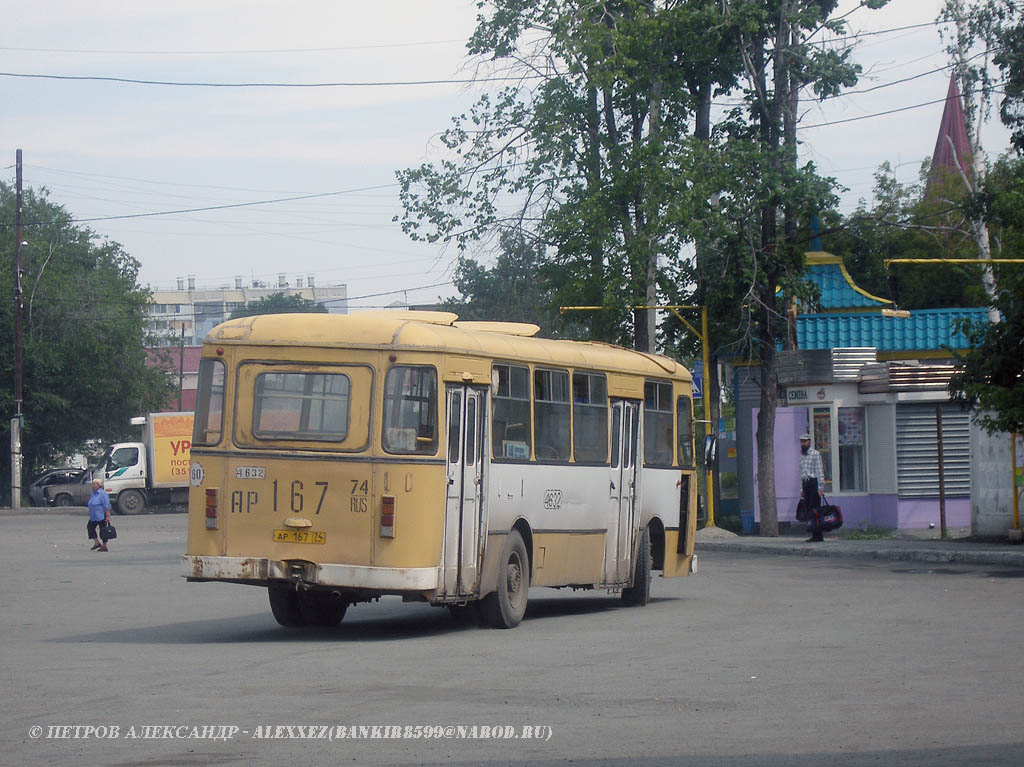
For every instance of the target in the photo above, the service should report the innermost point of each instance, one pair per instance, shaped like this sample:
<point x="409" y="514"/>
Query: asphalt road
<point x="756" y="660"/>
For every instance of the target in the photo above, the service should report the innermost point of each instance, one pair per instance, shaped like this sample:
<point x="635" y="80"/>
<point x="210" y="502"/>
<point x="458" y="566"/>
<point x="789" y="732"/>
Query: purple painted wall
<point x="885" y="511"/>
<point x="919" y="512"/>
<point x="790" y="423"/>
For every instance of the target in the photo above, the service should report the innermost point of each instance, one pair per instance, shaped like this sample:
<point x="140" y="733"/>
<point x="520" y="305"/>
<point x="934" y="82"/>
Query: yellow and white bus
<point x="340" y="458"/>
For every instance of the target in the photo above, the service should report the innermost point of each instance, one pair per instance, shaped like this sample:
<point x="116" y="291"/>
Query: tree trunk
<point x="766" y="428"/>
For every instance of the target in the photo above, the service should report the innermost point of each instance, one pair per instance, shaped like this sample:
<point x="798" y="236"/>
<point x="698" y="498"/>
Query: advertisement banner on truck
<point x="172" y="442"/>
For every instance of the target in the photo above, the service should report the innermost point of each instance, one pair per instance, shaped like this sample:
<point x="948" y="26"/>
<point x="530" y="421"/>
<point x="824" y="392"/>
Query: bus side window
<point x="684" y="415"/>
<point x="590" y="417"/>
<point x="410" y="410"/>
<point x="209" y="418"/>
<point x="551" y="414"/>
<point x="658" y="436"/>
<point x="510" y="412"/>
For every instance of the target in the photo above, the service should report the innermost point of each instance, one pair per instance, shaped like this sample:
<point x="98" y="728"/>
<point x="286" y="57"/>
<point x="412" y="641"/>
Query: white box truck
<point x="152" y="472"/>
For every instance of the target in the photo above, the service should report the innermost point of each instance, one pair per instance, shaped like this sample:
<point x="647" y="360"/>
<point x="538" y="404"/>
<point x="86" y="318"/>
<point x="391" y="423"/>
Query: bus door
<point x="623" y="487"/>
<point x="464" y="506"/>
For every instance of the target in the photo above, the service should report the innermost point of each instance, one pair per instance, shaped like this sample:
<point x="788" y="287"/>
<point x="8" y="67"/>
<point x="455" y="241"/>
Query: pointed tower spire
<point x="952" y="147"/>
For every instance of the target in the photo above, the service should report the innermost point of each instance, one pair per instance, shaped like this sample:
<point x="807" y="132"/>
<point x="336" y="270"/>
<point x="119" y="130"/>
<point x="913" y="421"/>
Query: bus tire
<point x="639" y="593"/>
<point x="130" y="502"/>
<point x="504" y="608"/>
<point x="284" y="604"/>
<point x="321" y="608"/>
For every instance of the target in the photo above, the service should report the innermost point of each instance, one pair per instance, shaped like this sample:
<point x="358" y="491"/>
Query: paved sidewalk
<point x="901" y="549"/>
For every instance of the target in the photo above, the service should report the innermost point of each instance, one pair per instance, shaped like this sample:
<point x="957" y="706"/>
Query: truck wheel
<point x="63" y="500"/>
<point x="639" y="593"/>
<point x="505" y="607"/>
<point x="322" y="608"/>
<point x="284" y="604"/>
<point x="131" y="502"/>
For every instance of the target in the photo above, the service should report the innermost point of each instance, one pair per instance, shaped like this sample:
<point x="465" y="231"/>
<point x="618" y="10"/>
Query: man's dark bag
<point x="830" y="516"/>
<point x="802" y="512"/>
<point x="108" y="532"/>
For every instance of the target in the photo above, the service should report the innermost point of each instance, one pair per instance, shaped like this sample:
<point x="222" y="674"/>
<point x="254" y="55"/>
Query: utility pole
<point x="16" y="422"/>
<point x="181" y="364"/>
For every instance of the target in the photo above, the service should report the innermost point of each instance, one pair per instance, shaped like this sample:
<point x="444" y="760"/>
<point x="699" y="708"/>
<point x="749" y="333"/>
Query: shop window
<point x="821" y="433"/>
<point x="851" y="450"/>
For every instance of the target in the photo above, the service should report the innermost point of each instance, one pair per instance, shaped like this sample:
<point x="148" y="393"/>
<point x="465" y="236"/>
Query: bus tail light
<point x="387" y="516"/>
<point x="211" y="509"/>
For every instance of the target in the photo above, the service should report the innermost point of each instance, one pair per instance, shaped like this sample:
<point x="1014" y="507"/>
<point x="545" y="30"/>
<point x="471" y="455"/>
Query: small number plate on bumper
<point x="299" y="536"/>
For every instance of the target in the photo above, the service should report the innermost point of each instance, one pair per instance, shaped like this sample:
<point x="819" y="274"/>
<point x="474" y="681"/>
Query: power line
<point x="211" y="207"/>
<point x="188" y="84"/>
<point x="887" y="112"/>
<point x="257" y="51"/>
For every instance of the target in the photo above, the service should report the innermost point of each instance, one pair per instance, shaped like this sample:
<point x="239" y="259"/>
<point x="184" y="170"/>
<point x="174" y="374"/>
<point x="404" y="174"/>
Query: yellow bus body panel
<point x="561" y="558"/>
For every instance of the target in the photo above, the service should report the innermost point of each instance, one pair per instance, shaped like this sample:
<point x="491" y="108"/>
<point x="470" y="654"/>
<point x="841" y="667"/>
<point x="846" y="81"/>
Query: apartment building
<point x="190" y="313"/>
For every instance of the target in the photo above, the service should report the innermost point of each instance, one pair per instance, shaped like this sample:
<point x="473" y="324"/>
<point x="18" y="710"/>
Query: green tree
<point x="604" y="152"/>
<point x="278" y="303"/>
<point x="84" y="334"/>
<point x="763" y="199"/>
<point x="583" y="154"/>
<point x="903" y="222"/>
<point x="990" y="375"/>
<point x="518" y="288"/>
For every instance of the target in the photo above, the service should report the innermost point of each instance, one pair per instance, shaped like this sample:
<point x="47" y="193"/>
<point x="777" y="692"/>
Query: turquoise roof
<point x="924" y="330"/>
<point x="837" y="288"/>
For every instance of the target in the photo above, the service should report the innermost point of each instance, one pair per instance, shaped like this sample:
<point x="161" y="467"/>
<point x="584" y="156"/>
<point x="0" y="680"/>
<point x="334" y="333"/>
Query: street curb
<point x="835" y="549"/>
<point x="26" y="511"/>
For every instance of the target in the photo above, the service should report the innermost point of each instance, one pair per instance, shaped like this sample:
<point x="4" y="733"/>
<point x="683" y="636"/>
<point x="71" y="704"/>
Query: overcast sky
<point x="107" y="149"/>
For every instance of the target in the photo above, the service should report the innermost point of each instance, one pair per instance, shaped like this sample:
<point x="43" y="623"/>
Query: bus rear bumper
<point x="260" y="571"/>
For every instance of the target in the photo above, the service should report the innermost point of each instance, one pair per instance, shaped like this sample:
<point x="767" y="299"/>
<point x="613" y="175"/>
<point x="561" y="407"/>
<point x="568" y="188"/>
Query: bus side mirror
<point x="710" y="449"/>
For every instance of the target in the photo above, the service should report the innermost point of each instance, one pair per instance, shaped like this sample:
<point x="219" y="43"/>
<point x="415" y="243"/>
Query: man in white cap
<point x="812" y="479"/>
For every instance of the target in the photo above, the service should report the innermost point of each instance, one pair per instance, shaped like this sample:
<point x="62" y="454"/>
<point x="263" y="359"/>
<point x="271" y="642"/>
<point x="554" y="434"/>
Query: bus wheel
<point x="131" y="502"/>
<point x="639" y="593"/>
<point x="284" y="603"/>
<point x="505" y="607"/>
<point x="322" y="608"/>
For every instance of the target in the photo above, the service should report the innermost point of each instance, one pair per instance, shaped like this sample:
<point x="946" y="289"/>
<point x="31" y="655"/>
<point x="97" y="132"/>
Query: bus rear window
<point x="209" y="420"/>
<point x="301" y="406"/>
<point x="410" y="410"/>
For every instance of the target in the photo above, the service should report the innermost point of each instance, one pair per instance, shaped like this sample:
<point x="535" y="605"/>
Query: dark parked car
<point x="75" y="492"/>
<point x="50" y="477"/>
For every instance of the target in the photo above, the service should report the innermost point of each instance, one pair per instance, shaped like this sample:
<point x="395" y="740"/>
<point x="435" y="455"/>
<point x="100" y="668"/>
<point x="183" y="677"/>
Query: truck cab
<point x="126" y="476"/>
<point x="154" y="471"/>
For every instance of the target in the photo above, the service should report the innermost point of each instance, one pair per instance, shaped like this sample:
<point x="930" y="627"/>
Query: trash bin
<point x="747" y="521"/>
